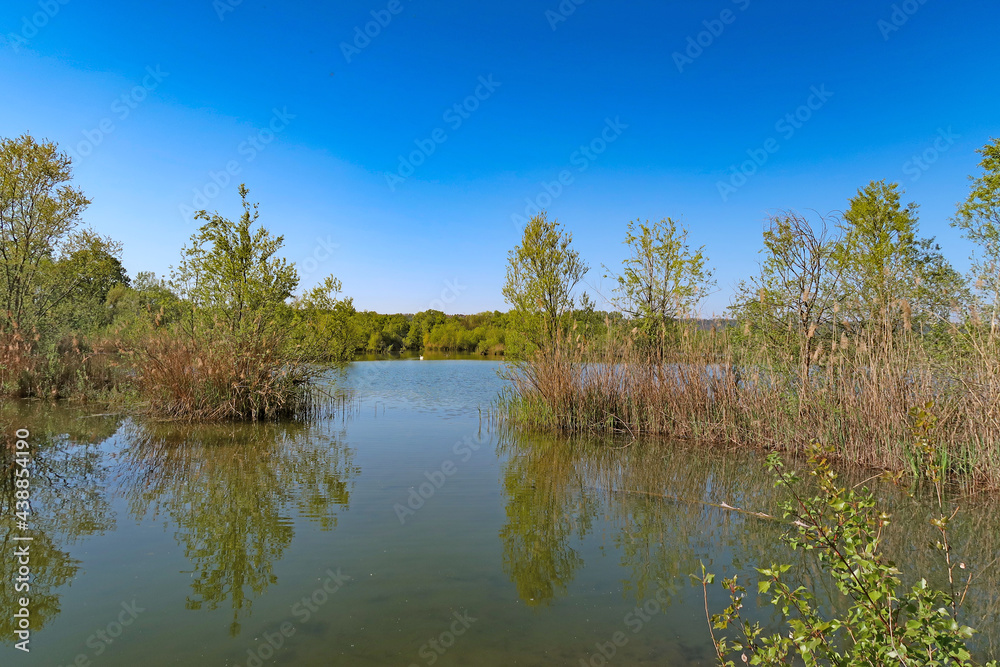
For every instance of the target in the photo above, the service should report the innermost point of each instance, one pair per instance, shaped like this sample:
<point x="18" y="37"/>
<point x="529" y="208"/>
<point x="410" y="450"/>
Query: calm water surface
<point x="401" y="531"/>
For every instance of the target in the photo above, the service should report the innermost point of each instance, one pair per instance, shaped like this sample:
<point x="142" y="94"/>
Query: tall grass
<point x="71" y="368"/>
<point x="170" y="373"/>
<point x="218" y="376"/>
<point x="856" y="397"/>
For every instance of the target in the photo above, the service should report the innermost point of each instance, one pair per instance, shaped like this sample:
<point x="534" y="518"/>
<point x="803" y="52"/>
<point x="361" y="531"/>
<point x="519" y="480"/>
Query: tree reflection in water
<point x="546" y="506"/>
<point x="231" y="492"/>
<point x="670" y="505"/>
<point x="68" y="503"/>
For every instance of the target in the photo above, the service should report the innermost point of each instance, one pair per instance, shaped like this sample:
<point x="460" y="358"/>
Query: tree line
<point x="227" y="334"/>
<point x="71" y="316"/>
<point x="869" y="269"/>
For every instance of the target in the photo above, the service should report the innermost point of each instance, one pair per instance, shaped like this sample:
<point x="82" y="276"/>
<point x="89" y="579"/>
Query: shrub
<point x="883" y="623"/>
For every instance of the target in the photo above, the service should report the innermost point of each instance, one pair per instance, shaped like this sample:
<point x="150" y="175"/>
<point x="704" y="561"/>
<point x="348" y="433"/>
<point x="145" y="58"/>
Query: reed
<point x="856" y="397"/>
<point x="72" y="368"/>
<point x="220" y="376"/>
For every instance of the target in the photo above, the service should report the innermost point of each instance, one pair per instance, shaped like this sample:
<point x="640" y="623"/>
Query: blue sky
<point x="357" y="153"/>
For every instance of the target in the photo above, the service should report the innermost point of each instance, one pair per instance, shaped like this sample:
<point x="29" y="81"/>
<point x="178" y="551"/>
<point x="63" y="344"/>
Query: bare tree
<point x="793" y="298"/>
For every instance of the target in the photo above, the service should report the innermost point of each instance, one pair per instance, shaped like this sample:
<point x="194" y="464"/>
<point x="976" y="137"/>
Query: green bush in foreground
<point x="884" y="624"/>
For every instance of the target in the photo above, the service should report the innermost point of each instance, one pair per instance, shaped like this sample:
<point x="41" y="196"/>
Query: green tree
<point x="415" y="336"/>
<point x="69" y="503"/>
<point x="323" y="322"/>
<point x="663" y="279"/>
<point x="793" y="298"/>
<point x="144" y="303"/>
<point x="38" y="211"/>
<point x="979" y="219"/>
<point x="546" y="508"/>
<point x="394" y="332"/>
<point x="938" y="291"/>
<point x="542" y="273"/>
<point x="421" y="326"/>
<point x="80" y="281"/>
<point x="878" y="258"/>
<point x="231" y="271"/>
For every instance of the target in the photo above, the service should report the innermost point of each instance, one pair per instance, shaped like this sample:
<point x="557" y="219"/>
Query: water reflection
<point x="664" y="505"/>
<point x="68" y="477"/>
<point x="231" y="493"/>
<point x="547" y="505"/>
<point x="671" y="505"/>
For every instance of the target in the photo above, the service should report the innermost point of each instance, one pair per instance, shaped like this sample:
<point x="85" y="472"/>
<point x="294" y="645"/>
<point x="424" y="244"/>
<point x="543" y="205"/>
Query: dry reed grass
<point x="857" y="397"/>
<point x="72" y="368"/>
<point x="220" y="376"/>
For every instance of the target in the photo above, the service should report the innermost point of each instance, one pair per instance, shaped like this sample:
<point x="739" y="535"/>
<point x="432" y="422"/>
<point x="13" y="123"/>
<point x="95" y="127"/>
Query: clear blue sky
<point x="201" y="82"/>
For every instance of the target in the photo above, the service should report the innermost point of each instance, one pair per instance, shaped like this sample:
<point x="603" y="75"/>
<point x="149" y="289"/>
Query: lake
<point x="402" y="529"/>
